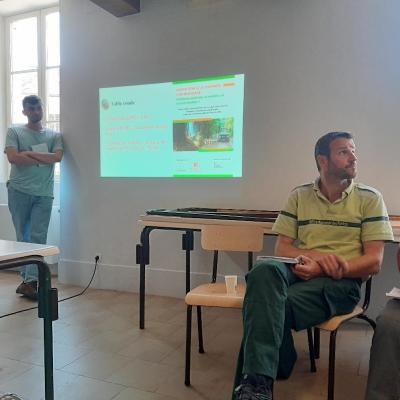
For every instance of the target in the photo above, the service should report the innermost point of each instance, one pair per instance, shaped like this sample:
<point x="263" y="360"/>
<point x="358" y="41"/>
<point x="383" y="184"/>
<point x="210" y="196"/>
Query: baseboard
<point x="53" y="269"/>
<point x="159" y="281"/>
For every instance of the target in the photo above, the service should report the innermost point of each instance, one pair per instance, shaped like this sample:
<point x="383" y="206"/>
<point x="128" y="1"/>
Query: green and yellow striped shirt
<point x="341" y="227"/>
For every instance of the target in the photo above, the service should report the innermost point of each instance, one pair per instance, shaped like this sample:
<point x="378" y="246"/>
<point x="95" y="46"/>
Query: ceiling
<point x="12" y="7"/>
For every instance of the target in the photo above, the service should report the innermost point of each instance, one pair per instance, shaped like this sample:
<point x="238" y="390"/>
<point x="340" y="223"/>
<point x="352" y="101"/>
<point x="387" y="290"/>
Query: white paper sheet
<point x="395" y="293"/>
<point x="40" y="148"/>
<point x="285" y="260"/>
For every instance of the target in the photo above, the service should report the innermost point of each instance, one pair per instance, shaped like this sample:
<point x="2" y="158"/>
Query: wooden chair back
<point x="232" y="238"/>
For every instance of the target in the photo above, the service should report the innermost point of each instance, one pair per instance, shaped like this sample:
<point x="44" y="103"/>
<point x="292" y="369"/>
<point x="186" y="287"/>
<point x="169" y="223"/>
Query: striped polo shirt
<point x="340" y="227"/>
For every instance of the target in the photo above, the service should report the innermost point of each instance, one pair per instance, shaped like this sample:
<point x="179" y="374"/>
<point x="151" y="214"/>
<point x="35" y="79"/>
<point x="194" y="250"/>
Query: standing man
<point x="32" y="151"/>
<point x="337" y="229"/>
<point x="384" y="363"/>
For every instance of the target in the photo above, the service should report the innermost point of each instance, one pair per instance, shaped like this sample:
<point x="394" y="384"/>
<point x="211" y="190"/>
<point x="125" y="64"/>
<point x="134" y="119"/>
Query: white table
<point x="16" y="254"/>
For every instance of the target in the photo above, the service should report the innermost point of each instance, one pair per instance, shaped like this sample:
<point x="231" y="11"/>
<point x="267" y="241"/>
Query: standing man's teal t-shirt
<point x="36" y="180"/>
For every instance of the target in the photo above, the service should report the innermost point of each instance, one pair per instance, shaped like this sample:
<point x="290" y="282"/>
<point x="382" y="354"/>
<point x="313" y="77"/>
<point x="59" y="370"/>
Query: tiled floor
<point x="101" y="354"/>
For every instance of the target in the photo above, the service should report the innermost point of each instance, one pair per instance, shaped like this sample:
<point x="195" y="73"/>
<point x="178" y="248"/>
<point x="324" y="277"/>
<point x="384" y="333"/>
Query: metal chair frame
<point x="189" y="312"/>
<point x="314" y="340"/>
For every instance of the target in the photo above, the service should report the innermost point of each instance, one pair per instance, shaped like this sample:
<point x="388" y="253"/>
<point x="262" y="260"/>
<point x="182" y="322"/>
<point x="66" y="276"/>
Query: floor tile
<point x="134" y="394"/>
<point x="101" y="354"/>
<point x="142" y="375"/>
<point x="97" y="364"/>
<point x="10" y="369"/>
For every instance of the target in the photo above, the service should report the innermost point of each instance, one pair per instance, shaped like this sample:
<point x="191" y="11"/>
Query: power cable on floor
<point x="59" y="301"/>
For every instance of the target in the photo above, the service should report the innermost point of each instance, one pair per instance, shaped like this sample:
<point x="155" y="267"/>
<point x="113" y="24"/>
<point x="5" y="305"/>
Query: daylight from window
<point x="34" y="66"/>
<point x="30" y="72"/>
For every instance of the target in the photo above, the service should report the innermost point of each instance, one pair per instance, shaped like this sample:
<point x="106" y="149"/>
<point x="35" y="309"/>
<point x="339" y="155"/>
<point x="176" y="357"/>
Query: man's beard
<point x="348" y="172"/>
<point x="35" y="120"/>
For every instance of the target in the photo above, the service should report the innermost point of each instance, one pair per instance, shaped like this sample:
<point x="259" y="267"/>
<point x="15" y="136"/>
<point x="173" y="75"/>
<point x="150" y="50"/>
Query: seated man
<point x="337" y="228"/>
<point x="384" y="363"/>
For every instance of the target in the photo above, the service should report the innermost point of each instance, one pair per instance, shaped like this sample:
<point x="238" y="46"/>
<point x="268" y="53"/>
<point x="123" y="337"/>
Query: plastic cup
<point x="231" y="284"/>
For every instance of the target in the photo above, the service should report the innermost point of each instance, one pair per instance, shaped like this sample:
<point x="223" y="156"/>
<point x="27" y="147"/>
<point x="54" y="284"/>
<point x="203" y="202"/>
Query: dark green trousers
<point x="276" y="302"/>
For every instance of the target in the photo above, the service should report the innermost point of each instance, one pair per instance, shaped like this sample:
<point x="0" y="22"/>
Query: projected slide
<point x="180" y="129"/>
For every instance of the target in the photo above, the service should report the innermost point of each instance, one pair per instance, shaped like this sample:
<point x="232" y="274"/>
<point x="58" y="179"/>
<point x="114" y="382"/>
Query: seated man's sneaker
<point x="254" y="387"/>
<point x="28" y="289"/>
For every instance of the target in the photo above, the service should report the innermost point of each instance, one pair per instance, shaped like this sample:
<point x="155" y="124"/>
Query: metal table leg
<point x="143" y="259"/>
<point x="47" y="309"/>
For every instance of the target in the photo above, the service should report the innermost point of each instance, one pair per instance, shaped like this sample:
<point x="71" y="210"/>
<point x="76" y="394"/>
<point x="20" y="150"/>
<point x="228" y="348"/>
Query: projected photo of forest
<point x="203" y="134"/>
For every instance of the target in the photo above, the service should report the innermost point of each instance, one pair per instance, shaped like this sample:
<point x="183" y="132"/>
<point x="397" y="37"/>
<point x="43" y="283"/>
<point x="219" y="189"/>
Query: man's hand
<point x="285" y="247"/>
<point x="333" y="265"/>
<point x="46" y="158"/>
<point x="20" y="158"/>
<point x="307" y="268"/>
<point x="330" y="265"/>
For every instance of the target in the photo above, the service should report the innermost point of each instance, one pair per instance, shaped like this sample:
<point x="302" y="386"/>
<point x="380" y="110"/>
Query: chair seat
<point x="214" y="295"/>
<point x="335" y="322"/>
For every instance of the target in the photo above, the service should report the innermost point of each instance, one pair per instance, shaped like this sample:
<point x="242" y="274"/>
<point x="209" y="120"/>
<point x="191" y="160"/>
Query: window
<point x="34" y="65"/>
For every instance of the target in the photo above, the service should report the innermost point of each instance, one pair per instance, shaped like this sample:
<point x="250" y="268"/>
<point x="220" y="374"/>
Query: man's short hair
<point x="323" y="145"/>
<point x="32" y="99"/>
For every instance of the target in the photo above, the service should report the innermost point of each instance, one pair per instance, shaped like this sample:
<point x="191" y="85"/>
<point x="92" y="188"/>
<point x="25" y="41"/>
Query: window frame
<point x="42" y="68"/>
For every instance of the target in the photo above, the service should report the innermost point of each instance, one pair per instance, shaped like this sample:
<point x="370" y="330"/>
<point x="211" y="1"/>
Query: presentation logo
<point x="105" y="104"/>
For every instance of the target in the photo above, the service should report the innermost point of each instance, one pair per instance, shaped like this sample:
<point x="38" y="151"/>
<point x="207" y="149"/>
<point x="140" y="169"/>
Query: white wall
<point x="2" y="97"/>
<point x="311" y="66"/>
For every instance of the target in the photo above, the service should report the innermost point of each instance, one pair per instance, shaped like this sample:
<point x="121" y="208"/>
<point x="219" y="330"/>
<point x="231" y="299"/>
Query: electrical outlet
<point x="98" y="258"/>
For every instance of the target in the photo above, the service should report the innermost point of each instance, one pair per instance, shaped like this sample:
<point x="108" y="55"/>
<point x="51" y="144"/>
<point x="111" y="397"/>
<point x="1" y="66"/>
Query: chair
<point x="219" y="238"/>
<point x="332" y="326"/>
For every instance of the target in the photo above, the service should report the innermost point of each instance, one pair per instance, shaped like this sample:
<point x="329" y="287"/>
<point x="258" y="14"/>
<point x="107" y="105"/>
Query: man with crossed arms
<point x="32" y="151"/>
